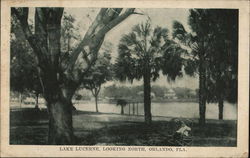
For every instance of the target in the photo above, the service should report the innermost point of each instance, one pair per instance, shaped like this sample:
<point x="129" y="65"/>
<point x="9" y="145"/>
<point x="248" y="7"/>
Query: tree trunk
<point x="133" y="108"/>
<point x="147" y="98"/>
<point x="129" y="108"/>
<point x="46" y="44"/>
<point x="202" y="95"/>
<point x="60" y="123"/>
<point x="221" y="104"/>
<point x="20" y="99"/>
<point x="122" y="110"/>
<point x="37" y="96"/>
<point x="96" y="104"/>
<point x="137" y="109"/>
<point x="95" y="91"/>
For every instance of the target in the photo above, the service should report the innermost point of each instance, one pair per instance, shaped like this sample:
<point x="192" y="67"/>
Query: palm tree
<point x="143" y="53"/>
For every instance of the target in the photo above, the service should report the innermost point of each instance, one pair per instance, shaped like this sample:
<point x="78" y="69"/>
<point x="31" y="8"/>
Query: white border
<point x="45" y="151"/>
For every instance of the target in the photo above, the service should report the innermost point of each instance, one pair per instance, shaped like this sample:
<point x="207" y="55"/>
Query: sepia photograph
<point x="112" y="77"/>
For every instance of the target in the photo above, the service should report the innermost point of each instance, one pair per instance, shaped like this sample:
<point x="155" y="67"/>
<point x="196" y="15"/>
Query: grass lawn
<point x="30" y="126"/>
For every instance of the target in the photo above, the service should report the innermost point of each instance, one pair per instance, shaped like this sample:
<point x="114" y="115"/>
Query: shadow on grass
<point x="159" y="133"/>
<point x="132" y="133"/>
<point x="30" y="127"/>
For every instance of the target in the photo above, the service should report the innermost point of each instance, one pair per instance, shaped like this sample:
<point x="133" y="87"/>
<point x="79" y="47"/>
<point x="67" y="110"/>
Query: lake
<point x="168" y="109"/>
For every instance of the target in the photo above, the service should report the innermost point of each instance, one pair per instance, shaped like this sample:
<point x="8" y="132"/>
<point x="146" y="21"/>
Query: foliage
<point x="184" y="93"/>
<point x="143" y="53"/>
<point x="196" y="41"/>
<point x="159" y="91"/>
<point x="214" y="36"/>
<point x="69" y="33"/>
<point x="223" y="59"/>
<point x="114" y="91"/>
<point x="146" y="47"/>
<point x="99" y="73"/>
<point x="213" y="43"/>
<point x="23" y="66"/>
<point x="62" y="76"/>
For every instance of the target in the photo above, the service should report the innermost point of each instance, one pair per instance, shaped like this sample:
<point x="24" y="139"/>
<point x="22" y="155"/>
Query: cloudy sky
<point x="158" y="17"/>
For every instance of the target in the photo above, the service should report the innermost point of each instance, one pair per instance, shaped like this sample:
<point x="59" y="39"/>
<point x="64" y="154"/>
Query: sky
<point x="158" y="17"/>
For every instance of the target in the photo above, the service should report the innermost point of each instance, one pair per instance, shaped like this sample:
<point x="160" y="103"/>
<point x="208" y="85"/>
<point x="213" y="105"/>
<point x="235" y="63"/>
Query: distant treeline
<point x="158" y="93"/>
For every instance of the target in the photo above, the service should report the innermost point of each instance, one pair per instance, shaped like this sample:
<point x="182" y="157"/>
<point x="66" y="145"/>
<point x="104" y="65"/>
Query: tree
<point x="201" y="41"/>
<point x="198" y="41"/>
<point x="36" y="86"/>
<point x="23" y="67"/>
<point x="62" y="77"/>
<point x="223" y="65"/>
<point x="118" y="92"/>
<point x="122" y="103"/>
<point x="182" y="92"/>
<point x="69" y="37"/>
<point x="159" y="91"/>
<point x="143" y="53"/>
<point x="98" y="74"/>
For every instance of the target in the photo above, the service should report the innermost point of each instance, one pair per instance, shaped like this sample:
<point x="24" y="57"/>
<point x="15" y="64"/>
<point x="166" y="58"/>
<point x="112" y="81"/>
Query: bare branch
<point x="92" y="91"/>
<point x="93" y="39"/>
<point x="98" y="89"/>
<point x="138" y="13"/>
<point x="118" y="20"/>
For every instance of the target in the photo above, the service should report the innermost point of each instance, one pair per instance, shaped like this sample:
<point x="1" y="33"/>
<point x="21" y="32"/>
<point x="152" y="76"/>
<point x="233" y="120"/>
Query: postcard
<point x="136" y="78"/>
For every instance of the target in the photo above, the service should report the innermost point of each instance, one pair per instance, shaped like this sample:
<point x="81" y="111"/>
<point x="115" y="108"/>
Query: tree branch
<point x="22" y="16"/>
<point x="98" y="89"/>
<point x="117" y="20"/>
<point x="93" y="93"/>
<point x="138" y="13"/>
<point x="93" y="39"/>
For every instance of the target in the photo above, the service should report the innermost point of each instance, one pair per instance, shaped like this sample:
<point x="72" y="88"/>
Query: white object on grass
<point x="184" y="130"/>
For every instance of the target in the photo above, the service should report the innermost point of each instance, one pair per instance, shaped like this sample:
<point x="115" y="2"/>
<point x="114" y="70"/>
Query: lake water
<point x="170" y="109"/>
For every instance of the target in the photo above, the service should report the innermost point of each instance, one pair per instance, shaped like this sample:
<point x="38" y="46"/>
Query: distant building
<point x="170" y="94"/>
<point x="29" y="100"/>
